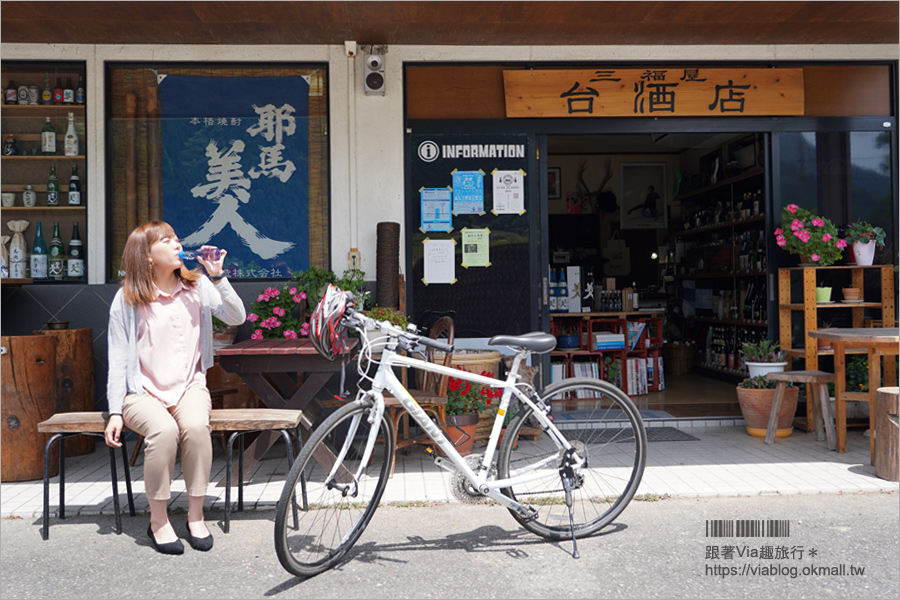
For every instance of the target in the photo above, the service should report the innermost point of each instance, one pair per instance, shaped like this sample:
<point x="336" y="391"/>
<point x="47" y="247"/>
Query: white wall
<point x="367" y="132"/>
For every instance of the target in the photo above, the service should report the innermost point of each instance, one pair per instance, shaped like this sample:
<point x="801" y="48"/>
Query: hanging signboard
<point x="657" y="92"/>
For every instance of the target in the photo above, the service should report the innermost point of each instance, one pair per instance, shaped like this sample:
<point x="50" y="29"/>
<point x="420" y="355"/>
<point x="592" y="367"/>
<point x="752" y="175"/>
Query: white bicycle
<point x="569" y="483"/>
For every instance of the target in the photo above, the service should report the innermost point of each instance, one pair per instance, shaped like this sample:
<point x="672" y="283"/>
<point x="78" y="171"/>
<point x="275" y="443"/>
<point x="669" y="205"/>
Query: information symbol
<point x="428" y="151"/>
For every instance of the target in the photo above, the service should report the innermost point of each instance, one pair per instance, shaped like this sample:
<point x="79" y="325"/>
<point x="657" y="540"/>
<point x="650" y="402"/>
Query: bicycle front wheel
<point x="606" y="428"/>
<point x="336" y="496"/>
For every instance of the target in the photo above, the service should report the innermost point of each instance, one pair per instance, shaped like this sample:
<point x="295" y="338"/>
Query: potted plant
<point x="815" y="239"/>
<point x="223" y="335"/>
<point x="377" y="339"/>
<point x="824" y="344"/>
<point x="864" y="237"/>
<point x="763" y="357"/>
<point x="755" y="396"/>
<point x="464" y="402"/>
<point x="568" y="337"/>
<point x="278" y="313"/>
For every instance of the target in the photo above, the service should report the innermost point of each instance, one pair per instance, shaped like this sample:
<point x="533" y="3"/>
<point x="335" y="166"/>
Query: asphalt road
<point x="656" y="549"/>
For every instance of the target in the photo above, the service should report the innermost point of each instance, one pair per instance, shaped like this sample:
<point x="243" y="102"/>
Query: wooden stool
<point x="887" y="437"/>
<point x="817" y="390"/>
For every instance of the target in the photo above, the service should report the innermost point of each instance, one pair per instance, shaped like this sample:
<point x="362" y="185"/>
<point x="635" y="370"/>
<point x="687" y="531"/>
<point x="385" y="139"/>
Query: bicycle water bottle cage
<point x="536" y="341"/>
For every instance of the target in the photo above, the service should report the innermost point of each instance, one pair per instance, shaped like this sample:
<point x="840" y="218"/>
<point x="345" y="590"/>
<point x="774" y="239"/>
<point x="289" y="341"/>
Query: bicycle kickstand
<point x="567" y="474"/>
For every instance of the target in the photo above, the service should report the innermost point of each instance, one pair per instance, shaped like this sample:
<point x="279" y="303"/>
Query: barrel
<point x="29" y="396"/>
<point x="887" y="433"/>
<point x="75" y="380"/>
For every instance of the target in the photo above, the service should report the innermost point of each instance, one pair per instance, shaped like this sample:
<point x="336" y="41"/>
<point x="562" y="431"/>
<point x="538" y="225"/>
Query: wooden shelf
<point x="738" y="322"/>
<point x="727" y="225"/>
<point x="43" y="208"/>
<point x="751" y="172"/>
<point x="720" y="275"/>
<point x="17" y="157"/>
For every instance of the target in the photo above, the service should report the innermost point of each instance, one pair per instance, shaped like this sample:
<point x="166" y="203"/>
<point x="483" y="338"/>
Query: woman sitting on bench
<point x="160" y="346"/>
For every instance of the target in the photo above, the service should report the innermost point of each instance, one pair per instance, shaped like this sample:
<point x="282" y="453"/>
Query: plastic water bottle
<point x="208" y="254"/>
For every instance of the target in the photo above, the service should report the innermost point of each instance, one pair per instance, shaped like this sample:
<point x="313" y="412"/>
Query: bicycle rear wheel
<point x="334" y="506"/>
<point x="608" y="428"/>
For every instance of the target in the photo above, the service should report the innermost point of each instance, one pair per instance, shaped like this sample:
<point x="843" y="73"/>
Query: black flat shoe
<point x="175" y="547"/>
<point x="201" y="544"/>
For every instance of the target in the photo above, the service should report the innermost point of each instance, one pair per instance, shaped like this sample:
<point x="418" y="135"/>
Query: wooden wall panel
<point x="476" y="91"/>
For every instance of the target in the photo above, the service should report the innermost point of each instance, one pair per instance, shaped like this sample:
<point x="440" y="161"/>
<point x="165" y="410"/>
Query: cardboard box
<point x="628" y="299"/>
<point x="609" y="283"/>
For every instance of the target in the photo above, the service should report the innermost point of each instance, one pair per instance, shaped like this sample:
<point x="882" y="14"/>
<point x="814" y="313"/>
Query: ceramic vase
<point x="864" y="253"/>
<point x="823" y="294"/>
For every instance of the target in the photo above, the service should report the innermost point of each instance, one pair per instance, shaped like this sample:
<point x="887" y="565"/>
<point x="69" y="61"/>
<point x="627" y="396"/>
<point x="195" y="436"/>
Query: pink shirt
<point x="169" y="343"/>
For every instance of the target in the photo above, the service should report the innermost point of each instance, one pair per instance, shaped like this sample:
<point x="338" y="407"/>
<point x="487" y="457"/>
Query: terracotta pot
<point x="757" y="404"/>
<point x="460" y="430"/>
<point x="851" y="294"/>
<point x="823" y="344"/>
<point x="223" y="336"/>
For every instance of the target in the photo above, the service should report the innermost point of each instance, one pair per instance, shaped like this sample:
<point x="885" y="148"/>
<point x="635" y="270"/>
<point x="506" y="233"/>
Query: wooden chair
<point x="817" y="393"/>
<point x="430" y="392"/>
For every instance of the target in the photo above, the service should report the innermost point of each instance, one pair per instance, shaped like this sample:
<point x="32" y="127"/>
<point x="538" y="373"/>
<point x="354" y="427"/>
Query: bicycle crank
<point x="462" y="488"/>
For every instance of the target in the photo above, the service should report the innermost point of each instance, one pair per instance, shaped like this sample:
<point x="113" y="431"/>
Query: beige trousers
<point x="187" y="424"/>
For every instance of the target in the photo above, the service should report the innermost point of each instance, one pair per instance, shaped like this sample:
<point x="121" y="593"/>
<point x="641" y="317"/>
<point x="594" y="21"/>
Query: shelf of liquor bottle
<point x="738" y="322"/>
<point x="15" y="282"/>
<point x="31" y="110"/>
<point x="44" y="208"/>
<point x="724" y="225"/>
<point x="17" y="157"/>
<point x="752" y="172"/>
<point x="720" y="275"/>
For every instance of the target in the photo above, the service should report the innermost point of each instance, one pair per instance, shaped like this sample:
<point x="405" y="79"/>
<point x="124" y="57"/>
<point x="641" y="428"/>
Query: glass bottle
<point x="75" y="262"/>
<point x="56" y="267"/>
<point x="58" y="91"/>
<point x="48" y="138"/>
<point x="12" y="93"/>
<point x="69" y="92"/>
<point x="29" y="196"/>
<point x="53" y="187"/>
<point x="39" y="255"/>
<point x="70" y="142"/>
<point x="74" y="187"/>
<point x="79" y="91"/>
<point x="47" y="91"/>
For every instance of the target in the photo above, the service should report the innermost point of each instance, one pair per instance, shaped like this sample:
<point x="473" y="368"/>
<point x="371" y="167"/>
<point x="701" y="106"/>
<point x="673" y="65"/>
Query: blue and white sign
<point x="436" y="209"/>
<point x="235" y="169"/>
<point x="468" y="192"/>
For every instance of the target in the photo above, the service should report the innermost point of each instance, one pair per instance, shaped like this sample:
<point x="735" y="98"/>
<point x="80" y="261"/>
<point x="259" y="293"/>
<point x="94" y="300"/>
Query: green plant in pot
<point x="568" y="337"/>
<point x="756" y="396"/>
<point x="763" y="357"/>
<point x="864" y="238"/>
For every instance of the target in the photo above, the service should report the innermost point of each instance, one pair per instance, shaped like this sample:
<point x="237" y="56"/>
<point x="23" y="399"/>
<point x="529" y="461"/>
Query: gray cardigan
<point x="216" y="299"/>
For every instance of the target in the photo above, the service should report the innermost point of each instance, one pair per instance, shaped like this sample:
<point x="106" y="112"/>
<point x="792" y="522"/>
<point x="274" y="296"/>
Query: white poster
<point x="509" y="192"/>
<point x="440" y="262"/>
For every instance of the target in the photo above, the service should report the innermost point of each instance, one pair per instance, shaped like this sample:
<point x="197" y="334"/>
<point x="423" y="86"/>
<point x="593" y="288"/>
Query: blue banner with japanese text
<point x="235" y="169"/>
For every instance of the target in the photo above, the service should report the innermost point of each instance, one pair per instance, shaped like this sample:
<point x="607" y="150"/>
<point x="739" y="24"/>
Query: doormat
<point x="608" y="415"/>
<point x="605" y="436"/>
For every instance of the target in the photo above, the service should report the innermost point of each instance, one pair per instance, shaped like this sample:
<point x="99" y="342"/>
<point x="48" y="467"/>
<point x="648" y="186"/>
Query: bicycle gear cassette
<point x="462" y="488"/>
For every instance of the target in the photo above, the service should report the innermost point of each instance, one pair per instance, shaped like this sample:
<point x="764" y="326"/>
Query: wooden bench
<point x="817" y="392"/>
<point x="238" y="420"/>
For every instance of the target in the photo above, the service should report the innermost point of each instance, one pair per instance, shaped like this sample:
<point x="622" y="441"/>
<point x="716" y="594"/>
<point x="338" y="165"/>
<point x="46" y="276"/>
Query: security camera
<point x="375" y="62"/>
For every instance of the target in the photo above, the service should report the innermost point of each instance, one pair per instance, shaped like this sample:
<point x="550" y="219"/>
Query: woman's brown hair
<point x="138" y="281"/>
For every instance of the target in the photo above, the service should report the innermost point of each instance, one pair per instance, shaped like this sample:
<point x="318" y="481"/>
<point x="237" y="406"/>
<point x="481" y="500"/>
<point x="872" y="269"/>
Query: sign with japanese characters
<point x="235" y="169"/>
<point x="656" y="92"/>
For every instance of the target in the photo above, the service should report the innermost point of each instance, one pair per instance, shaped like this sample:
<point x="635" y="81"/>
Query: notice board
<point x="467" y="197"/>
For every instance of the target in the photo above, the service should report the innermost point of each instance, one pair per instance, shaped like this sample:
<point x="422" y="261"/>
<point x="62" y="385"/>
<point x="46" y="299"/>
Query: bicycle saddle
<point x="536" y="341"/>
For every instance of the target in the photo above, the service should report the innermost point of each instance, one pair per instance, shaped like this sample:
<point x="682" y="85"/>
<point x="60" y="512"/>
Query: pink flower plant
<point x="277" y="313"/>
<point x="812" y="236"/>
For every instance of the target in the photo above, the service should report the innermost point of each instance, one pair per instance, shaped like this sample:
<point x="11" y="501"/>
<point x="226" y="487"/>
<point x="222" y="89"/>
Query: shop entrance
<point x="677" y="221"/>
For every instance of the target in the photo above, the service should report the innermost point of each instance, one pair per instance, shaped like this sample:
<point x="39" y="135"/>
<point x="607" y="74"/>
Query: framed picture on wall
<point x="554" y="185"/>
<point x="643" y="195"/>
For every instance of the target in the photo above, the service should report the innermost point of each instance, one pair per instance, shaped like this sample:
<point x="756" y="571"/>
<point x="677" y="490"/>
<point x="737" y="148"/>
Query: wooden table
<point x="877" y="342"/>
<point x="271" y="368"/>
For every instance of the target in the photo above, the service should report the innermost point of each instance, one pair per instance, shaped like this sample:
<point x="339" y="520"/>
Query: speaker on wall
<point x="374" y="74"/>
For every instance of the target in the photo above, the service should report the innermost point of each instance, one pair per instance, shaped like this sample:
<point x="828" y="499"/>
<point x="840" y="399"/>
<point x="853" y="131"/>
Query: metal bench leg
<point x="228" y="478"/>
<point x="290" y="458"/>
<point x="45" y="529"/>
<point x="127" y="467"/>
<point x="62" y="476"/>
<point x="115" y="487"/>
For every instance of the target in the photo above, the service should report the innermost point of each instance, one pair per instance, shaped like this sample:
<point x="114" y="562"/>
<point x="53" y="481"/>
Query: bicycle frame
<point x="385" y="379"/>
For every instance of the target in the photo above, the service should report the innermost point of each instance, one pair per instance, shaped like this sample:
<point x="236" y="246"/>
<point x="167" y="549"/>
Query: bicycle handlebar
<point x="407" y="339"/>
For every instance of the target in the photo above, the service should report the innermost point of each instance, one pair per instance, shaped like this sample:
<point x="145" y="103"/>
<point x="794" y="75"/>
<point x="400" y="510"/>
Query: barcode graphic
<point x="748" y="528"/>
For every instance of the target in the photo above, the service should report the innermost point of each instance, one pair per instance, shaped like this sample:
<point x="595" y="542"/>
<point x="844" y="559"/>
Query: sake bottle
<point x="75" y="261"/>
<point x="48" y="138"/>
<point x="56" y="267"/>
<point x="39" y="255"/>
<point x="74" y="187"/>
<point x="70" y="144"/>
<point x="53" y="187"/>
